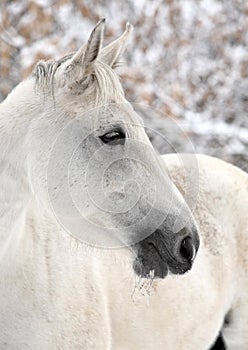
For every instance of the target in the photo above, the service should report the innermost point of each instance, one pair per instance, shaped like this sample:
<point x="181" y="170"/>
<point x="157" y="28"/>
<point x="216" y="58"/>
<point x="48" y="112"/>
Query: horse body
<point x="57" y="292"/>
<point x="58" y="295"/>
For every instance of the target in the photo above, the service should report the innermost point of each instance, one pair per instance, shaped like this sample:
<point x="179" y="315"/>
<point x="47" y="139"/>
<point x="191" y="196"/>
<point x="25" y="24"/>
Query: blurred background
<point x="187" y="59"/>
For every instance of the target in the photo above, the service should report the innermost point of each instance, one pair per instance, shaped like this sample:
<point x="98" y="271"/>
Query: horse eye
<point x="115" y="137"/>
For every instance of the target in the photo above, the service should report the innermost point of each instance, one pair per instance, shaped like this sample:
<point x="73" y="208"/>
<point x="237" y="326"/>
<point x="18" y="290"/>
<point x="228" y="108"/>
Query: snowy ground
<point x="187" y="59"/>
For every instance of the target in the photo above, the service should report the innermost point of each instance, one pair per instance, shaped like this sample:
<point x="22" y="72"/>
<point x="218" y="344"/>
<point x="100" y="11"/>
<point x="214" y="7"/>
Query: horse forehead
<point x="125" y="113"/>
<point x="113" y="113"/>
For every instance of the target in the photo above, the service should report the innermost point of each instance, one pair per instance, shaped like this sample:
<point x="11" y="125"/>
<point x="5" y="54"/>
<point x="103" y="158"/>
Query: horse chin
<point x="158" y="269"/>
<point x="150" y="272"/>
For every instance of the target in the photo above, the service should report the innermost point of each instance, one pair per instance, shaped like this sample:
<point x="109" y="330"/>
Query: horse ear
<point x="83" y="60"/>
<point x="112" y="53"/>
<point x="94" y="43"/>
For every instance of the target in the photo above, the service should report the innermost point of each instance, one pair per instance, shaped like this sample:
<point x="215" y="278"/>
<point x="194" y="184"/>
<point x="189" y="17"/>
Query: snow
<point x="211" y="7"/>
<point x="43" y="3"/>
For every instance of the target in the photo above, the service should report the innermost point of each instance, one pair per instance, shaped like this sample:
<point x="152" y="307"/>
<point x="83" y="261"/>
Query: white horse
<point x="79" y="175"/>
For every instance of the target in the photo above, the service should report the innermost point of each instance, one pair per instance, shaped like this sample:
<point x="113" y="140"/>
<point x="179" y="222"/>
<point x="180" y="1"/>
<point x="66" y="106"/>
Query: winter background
<point x="187" y="59"/>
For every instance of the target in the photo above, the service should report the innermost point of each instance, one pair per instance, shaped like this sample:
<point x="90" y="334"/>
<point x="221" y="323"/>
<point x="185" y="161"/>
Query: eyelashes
<point x="114" y="137"/>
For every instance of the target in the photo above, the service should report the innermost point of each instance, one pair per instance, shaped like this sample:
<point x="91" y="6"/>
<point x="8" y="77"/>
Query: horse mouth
<point x="154" y="262"/>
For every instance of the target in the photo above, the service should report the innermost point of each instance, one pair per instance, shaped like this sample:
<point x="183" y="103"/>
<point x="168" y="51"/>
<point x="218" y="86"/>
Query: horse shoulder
<point x="222" y="184"/>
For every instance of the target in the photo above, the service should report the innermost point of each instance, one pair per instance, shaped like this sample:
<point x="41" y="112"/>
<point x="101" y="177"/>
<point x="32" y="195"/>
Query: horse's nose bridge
<point x="168" y="229"/>
<point x="183" y="216"/>
<point x="170" y="199"/>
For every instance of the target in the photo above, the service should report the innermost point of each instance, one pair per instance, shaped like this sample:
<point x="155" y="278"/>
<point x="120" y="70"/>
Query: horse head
<point x="88" y="155"/>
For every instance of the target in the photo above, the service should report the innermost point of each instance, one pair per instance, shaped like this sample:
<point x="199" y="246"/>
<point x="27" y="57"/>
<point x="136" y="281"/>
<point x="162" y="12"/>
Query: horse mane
<point x="103" y="80"/>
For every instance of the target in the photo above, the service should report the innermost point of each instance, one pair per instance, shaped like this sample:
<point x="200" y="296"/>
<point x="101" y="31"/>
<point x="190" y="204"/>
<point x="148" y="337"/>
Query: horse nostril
<point x="187" y="249"/>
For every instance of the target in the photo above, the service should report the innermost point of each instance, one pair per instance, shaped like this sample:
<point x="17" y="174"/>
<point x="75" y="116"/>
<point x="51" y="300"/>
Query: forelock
<point x="103" y="85"/>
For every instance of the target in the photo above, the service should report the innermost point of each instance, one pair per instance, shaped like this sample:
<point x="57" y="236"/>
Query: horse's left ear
<point x="83" y="60"/>
<point x="112" y="53"/>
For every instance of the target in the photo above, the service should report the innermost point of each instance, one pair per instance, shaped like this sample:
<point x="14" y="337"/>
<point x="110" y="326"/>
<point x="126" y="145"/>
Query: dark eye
<point x="114" y="137"/>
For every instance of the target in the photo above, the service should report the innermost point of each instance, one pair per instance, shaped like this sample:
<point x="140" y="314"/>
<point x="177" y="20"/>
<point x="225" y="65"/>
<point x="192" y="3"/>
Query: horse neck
<point x="16" y="113"/>
<point x="15" y="116"/>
